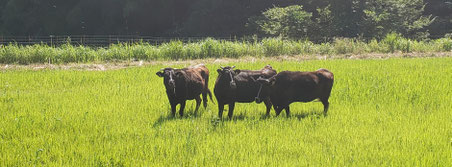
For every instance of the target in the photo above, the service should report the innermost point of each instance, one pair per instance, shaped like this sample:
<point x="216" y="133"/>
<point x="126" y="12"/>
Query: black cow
<point x="186" y="84"/>
<point x="240" y="86"/>
<point x="293" y="86"/>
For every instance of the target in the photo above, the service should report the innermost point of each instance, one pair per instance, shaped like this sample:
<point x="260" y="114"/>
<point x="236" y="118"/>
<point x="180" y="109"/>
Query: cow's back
<point x="202" y="70"/>
<point x="193" y="83"/>
<point x="326" y="82"/>
<point x="247" y="88"/>
<point x="291" y="86"/>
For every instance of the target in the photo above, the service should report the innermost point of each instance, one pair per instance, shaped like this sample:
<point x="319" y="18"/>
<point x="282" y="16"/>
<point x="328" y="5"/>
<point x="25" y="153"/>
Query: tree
<point x="443" y="22"/>
<point x="400" y="16"/>
<point x="325" y="27"/>
<point x="2" y="28"/>
<point x="32" y="17"/>
<point x="291" y="21"/>
<point x="223" y="17"/>
<point x="313" y="19"/>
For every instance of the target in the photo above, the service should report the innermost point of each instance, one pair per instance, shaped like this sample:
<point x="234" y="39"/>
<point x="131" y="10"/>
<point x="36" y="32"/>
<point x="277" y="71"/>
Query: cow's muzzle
<point x="172" y="85"/>
<point x="233" y="85"/>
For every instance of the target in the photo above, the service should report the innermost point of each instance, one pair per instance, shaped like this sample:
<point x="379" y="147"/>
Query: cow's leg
<point x="287" y="111"/>
<point x="182" y="107"/>
<point x="204" y="98"/>
<point x="231" y="109"/>
<point x="220" y="110"/>
<point x="173" y="109"/>
<point x="326" y="105"/>
<point x="278" y="110"/>
<point x="198" y="103"/>
<point x="268" y="104"/>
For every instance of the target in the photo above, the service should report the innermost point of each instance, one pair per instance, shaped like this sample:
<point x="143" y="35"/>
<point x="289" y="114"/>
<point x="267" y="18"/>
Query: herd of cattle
<point x="245" y="86"/>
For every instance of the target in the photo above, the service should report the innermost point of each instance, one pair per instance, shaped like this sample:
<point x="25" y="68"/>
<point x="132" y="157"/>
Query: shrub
<point x="211" y="48"/>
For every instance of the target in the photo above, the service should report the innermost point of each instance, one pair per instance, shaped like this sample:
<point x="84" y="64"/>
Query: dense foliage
<point x="330" y="18"/>
<point x="211" y="48"/>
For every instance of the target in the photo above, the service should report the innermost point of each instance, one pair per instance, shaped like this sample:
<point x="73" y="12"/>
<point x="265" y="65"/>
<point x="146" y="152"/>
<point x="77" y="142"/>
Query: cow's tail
<point x="206" y="89"/>
<point x="204" y="96"/>
<point x="210" y="95"/>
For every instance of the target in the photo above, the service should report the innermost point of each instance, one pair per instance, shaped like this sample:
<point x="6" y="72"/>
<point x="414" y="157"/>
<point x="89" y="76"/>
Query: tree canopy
<point x="312" y="19"/>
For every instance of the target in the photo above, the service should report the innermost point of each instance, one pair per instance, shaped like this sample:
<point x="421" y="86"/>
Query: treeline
<point x="313" y="19"/>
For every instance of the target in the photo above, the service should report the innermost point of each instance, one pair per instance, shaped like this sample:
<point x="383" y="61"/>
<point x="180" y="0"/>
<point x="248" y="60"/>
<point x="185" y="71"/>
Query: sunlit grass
<point x="394" y="112"/>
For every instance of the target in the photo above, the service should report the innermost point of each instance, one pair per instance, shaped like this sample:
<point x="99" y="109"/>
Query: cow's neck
<point x="224" y="79"/>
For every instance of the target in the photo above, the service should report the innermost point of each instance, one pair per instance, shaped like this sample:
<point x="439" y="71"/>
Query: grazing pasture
<point x="393" y="112"/>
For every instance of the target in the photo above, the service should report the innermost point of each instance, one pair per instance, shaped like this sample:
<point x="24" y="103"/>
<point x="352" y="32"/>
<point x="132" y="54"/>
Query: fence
<point x="106" y="40"/>
<point x="96" y="40"/>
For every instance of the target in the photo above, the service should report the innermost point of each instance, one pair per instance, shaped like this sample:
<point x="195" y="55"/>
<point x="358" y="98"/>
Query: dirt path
<point x="127" y="64"/>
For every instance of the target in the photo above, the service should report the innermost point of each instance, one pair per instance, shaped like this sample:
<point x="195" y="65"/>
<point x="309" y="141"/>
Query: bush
<point x="211" y="48"/>
<point x="273" y="46"/>
<point x="445" y="44"/>
<point x="391" y="42"/>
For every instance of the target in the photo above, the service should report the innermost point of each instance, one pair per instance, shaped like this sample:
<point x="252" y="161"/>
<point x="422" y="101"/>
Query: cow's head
<point x="169" y="78"/>
<point x="228" y="73"/>
<point x="268" y="66"/>
<point x="264" y="90"/>
<point x="266" y="81"/>
<point x="268" y="71"/>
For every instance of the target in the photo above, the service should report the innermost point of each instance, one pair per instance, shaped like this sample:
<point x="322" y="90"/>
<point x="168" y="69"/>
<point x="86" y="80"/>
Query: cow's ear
<point x="237" y="71"/>
<point x="219" y="71"/>
<point x="160" y="74"/>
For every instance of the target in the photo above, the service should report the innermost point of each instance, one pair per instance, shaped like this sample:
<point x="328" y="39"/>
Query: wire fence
<point x="98" y="40"/>
<point x="106" y="40"/>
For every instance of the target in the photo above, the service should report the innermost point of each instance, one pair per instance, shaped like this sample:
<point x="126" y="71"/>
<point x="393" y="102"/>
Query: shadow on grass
<point x="313" y="114"/>
<point x="165" y="118"/>
<point x="162" y="119"/>
<point x="298" y="115"/>
<point x="241" y="117"/>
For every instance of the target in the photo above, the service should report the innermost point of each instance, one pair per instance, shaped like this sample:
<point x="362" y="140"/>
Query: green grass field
<point x="394" y="112"/>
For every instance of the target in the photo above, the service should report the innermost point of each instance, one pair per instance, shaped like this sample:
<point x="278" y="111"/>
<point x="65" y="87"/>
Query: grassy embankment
<point x="210" y="48"/>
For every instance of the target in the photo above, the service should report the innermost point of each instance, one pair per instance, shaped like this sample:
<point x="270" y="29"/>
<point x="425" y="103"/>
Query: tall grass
<point x="211" y="48"/>
<point x="394" y="112"/>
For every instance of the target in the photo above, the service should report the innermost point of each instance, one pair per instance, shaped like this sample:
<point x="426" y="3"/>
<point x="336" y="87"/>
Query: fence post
<point x="51" y="40"/>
